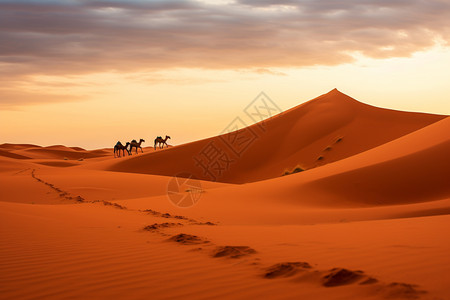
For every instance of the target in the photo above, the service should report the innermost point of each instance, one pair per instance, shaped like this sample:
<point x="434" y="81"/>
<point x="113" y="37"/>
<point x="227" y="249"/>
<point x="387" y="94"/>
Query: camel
<point x="159" y="140"/>
<point x="119" y="147"/>
<point x="136" y="145"/>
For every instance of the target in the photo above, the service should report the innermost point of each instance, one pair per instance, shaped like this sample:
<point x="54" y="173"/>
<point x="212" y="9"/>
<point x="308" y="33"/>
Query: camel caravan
<point x="119" y="147"/>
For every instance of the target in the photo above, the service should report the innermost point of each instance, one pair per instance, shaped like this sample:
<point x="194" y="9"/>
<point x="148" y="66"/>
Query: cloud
<point x="80" y="37"/>
<point x="269" y="72"/>
<point x="12" y="100"/>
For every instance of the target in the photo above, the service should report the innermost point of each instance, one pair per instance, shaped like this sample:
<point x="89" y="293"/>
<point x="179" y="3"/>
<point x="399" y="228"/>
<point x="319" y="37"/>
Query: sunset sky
<point x="89" y="73"/>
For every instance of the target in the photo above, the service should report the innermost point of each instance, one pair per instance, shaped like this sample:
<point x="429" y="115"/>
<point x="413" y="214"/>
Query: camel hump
<point x="159" y="137"/>
<point x="134" y="141"/>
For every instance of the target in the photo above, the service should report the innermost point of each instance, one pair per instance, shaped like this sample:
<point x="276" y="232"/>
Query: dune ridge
<point x="323" y="130"/>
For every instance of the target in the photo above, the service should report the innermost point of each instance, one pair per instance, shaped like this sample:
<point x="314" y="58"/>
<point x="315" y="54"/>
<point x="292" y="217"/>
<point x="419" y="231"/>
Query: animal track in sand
<point x="188" y="239"/>
<point x="300" y="272"/>
<point x="286" y="269"/>
<point x="233" y="251"/>
<point x="401" y="290"/>
<point x="169" y="216"/>
<point x="157" y="226"/>
<point x="329" y="279"/>
<point x="321" y="158"/>
<point x="62" y="194"/>
<point x="107" y="203"/>
<point x="204" y="223"/>
<point x="21" y="171"/>
<point x="339" y="277"/>
<point x="67" y="196"/>
<point x="220" y="251"/>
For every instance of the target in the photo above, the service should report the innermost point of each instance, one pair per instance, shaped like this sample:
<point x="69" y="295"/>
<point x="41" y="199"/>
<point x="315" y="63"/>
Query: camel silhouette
<point x="136" y="145"/>
<point x="119" y="147"/>
<point x="159" y="140"/>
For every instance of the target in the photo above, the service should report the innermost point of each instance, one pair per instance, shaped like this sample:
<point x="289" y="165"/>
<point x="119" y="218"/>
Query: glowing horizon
<point x="91" y="73"/>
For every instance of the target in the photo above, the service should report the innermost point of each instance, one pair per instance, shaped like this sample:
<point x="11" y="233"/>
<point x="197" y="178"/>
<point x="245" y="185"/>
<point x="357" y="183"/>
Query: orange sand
<point x="366" y="221"/>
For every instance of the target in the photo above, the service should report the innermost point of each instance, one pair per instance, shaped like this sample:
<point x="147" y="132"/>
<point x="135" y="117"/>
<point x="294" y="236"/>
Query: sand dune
<point x="413" y="168"/>
<point x="9" y="147"/>
<point x="9" y="166"/>
<point x="372" y="185"/>
<point x="77" y="148"/>
<point x="60" y="153"/>
<point x="12" y="155"/>
<point x="26" y="151"/>
<point x="326" y="129"/>
<point x="59" y="147"/>
<point x="366" y="221"/>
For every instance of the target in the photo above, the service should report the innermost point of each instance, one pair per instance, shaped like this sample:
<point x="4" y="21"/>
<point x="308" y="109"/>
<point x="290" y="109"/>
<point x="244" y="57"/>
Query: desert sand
<point x="332" y="199"/>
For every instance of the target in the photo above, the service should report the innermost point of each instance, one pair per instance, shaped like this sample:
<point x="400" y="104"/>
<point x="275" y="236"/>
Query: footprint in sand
<point x="286" y="269"/>
<point x="187" y="239"/>
<point x="233" y="251"/>
<point x="157" y="226"/>
<point x="341" y="276"/>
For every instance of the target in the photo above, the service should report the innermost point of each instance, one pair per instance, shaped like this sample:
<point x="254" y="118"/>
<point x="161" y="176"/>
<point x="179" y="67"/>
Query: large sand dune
<point x="375" y="184"/>
<point x="326" y="129"/>
<point x="366" y="221"/>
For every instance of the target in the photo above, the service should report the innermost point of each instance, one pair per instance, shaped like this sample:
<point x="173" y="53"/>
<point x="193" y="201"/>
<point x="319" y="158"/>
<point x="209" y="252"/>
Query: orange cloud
<point x="13" y="99"/>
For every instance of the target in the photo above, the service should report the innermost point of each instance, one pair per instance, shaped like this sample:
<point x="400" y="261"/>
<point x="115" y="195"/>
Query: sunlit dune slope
<point x="326" y="129"/>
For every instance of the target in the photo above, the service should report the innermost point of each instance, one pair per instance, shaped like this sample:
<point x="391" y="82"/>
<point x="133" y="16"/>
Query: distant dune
<point x="9" y="147"/>
<point x="51" y="152"/>
<point x="12" y="155"/>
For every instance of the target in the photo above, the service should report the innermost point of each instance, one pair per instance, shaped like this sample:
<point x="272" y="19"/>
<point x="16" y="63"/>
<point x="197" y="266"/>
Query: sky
<point x="89" y="73"/>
